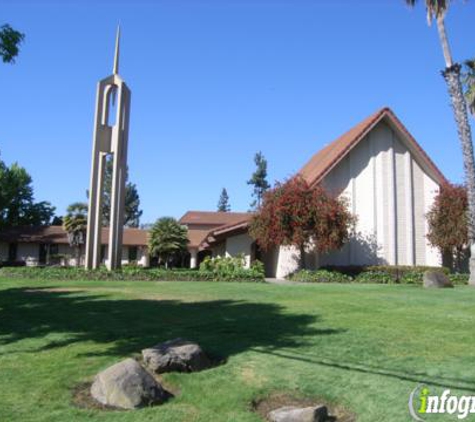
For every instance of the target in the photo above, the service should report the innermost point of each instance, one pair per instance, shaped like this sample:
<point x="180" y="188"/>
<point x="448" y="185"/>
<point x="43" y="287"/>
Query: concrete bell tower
<point x="111" y="132"/>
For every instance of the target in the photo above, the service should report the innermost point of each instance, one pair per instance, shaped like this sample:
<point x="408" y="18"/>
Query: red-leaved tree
<point x="448" y="223"/>
<point x="294" y="214"/>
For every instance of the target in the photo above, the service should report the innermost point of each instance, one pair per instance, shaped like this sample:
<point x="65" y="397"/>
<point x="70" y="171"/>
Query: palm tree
<point x="167" y="238"/>
<point x="469" y="83"/>
<point x="75" y="224"/>
<point x="436" y="9"/>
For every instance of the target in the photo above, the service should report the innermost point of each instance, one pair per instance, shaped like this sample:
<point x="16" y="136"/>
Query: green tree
<point x="75" y="225"/>
<point x="447" y="220"/>
<point x="167" y="239"/>
<point x="132" y="212"/>
<point x="223" y="203"/>
<point x="10" y="41"/>
<point x="469" y="84"/>
<point x="17" y="205"/>
<point x="259" y="180"/>
<point x="437" y="9"/>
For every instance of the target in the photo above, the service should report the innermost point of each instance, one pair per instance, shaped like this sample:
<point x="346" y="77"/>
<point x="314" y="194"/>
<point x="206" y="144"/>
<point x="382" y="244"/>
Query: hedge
<point x="382" y="274"/>
<point x="127" y="273"/>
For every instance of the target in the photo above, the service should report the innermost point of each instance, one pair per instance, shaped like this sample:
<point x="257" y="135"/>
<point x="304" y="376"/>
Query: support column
<point x="194" y="258"/>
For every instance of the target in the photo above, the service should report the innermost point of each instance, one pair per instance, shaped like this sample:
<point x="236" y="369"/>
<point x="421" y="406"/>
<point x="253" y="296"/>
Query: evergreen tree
<point x="259" y="180"/>
<point x="132" y="212"/>
<point x="10" y="40"/>
<point x="17" y="205"/>
<point x="223" y="203"/>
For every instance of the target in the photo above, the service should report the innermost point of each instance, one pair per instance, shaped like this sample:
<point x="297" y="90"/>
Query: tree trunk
<point x="444" y="41"/>
<point x="302" y="257"/>
<point x="78" y="255"/>
<point x="452" y="77"/>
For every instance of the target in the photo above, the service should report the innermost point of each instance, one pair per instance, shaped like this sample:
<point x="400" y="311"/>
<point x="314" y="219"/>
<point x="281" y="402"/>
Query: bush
<point x="380" y="274"/>
<point x="459" y="279"/>
<point x="379" y="277"/>
<point x="127" y="273"/>
<point x="320" y="276"/>
<point x="232" y="268"/>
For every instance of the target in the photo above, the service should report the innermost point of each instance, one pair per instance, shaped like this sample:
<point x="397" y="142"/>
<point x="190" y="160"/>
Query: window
<point x="133" y="253"/>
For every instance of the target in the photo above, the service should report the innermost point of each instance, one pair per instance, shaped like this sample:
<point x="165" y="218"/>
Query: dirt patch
<point x="264" y="405"/>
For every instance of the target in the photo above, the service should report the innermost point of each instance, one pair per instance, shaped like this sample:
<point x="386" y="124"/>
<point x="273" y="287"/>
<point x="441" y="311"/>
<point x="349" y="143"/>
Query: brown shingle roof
<point x="327" y="158"/>
<point x="56" y="234"/>
<point x="213" y="218"/>
<point x="196" y="237"/>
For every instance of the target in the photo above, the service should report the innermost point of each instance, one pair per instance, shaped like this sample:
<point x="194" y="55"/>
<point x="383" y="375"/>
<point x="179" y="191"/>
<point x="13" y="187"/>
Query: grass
<point x="364" y="347"/>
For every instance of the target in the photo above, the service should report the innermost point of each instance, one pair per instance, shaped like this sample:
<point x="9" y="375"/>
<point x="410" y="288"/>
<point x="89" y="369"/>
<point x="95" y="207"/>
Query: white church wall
<point x="432" y="256"/>
<point x="390" y="194"/>
<point x="240" y="244"/>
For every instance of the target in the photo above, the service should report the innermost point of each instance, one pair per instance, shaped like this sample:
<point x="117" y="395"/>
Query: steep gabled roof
<point x="210" y="218"/>
<point x="327" y="158"/>
<point x="212" y="221"/>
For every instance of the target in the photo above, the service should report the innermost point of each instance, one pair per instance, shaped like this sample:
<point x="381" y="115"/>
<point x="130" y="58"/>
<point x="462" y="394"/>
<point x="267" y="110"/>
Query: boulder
<point x="296" y="414"/>
<point x="176" y="355"/>
<point x="126" y="385"/>
<point x="436" y="279"/>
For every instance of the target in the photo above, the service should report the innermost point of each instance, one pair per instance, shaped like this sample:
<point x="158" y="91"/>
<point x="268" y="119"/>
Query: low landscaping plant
<point x="127" y="273"/>
<point x="232" y="268"/>
<point x="379" y="274"/>
<point x="320" y="276"/>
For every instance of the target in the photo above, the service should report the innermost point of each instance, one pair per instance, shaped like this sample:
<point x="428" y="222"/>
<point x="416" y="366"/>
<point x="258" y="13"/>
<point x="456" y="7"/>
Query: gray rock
<point x="436" y="279"/>
<point x="127" y="385"/>
<point x="295" y="414"/>
<point x="176" y="355"/>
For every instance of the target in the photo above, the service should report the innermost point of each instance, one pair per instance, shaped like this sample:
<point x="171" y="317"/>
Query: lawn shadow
<point x="223" y="327"/>
<point x="419" y="377"/>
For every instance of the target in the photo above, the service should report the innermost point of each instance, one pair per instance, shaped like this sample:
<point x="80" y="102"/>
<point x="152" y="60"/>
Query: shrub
<point x="379" y="277"/>
<point x="381" y="274"/>
<point x="127" y="273"/>
<point x="232" y="268"/>
<point x="459" y="279"/>
<point x="320" y="276"/>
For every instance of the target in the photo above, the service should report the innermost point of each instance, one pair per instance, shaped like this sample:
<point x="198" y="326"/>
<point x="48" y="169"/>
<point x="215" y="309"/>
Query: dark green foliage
<point x="17" y="205"/>
<point x="10" y="41"/>
<point x="131" y="273"/>
<point x="132" y="212"/>
<point x="259" y="180"/>
<point x="223" y="203"/>
<point x="75" y="225"/>
<point x="373" y="274"/>
<point x="232" y="268"/>
<point x="320" y="276"/>
<point x="168" y="239"/>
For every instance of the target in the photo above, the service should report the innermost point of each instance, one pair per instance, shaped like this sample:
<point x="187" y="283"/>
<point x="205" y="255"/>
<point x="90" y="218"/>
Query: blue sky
<point x="215" y="81"/>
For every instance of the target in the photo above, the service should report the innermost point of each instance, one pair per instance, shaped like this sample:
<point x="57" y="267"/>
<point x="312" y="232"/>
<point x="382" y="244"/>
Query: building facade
<point x="389" y="183"/>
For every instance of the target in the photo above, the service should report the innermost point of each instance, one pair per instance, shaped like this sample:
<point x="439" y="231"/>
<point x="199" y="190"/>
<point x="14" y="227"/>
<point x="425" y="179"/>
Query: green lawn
<point x="364" y="347"/>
